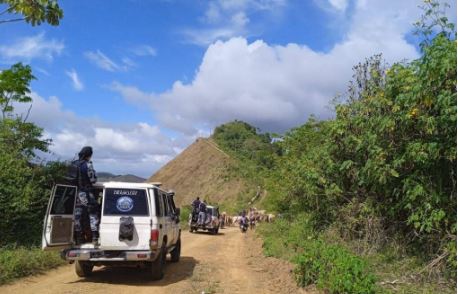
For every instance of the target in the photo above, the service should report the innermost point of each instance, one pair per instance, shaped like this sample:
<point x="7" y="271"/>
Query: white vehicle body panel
<point x="160" y="215"/>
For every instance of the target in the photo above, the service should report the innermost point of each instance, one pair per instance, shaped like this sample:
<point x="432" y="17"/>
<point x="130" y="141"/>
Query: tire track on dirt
<point x="223" y="263"/>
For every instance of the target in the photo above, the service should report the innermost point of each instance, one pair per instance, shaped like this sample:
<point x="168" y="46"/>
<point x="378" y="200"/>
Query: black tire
<point x="158" y="266"/>
<point x="83" y="269"/>
<point x="176" y="252"/>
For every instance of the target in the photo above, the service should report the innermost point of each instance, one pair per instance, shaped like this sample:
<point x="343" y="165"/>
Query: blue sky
<point x="141" y="80"/>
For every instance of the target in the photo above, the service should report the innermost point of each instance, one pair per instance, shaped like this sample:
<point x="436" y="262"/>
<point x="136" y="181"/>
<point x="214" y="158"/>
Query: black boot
<point x="79" y="238"/>
<point x="95" y="238"/>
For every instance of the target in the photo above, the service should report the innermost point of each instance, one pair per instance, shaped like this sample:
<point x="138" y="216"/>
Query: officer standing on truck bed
<point x="86" y="203"/>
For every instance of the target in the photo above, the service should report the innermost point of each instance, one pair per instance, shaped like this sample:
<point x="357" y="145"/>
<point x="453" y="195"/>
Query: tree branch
<point x="9" y="9"/>
<point x="12" y="20"/>
<point x="28" y="113"/>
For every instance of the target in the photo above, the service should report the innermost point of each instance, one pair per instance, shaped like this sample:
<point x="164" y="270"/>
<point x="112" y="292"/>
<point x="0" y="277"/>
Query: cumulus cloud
<point x="137" y="148"/>
<point x="76" y="82"/>
<point x="276" y="87"/>
<point x="32" y="47"/>
<point x="104" y="62"/>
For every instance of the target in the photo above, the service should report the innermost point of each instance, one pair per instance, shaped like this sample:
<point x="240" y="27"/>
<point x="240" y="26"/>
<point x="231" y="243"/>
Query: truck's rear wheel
<point x="176" y="252"/>
<point x="158" y="266"/>
<point x="83" y="269"/>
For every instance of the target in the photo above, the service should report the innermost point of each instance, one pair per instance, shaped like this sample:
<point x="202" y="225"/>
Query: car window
<point x="64" y="200"/>
<point x="125" y="202"/>
<point x="166" y="204"/>
<point x="159" y="203"/>
<point x="172" y="207"/>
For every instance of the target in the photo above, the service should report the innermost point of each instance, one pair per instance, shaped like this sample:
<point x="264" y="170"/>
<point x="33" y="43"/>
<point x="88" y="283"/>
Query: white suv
<point x="139" y="223"/>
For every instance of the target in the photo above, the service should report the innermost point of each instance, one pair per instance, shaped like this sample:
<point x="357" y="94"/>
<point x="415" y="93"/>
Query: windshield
<point x="126" y="202"/>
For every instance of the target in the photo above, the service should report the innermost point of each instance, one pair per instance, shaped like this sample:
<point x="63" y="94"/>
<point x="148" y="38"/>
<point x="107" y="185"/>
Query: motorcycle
<point x="243" y="226"/>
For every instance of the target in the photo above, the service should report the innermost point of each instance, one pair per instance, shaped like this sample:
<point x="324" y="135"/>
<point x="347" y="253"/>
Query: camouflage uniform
<point x="86" y="203"/>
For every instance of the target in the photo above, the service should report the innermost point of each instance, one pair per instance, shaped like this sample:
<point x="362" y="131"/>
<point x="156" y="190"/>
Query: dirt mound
<point x="201" y="170"/>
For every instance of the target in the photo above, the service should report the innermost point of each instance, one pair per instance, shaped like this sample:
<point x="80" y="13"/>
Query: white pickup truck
<point x="151" y="231"/>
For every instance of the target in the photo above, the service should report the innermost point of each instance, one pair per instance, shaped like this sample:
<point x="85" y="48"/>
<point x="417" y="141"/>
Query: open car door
<point x="59" y="220"/>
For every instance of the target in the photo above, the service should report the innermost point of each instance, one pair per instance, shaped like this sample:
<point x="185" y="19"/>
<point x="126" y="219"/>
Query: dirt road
<point x="230" y="262"/>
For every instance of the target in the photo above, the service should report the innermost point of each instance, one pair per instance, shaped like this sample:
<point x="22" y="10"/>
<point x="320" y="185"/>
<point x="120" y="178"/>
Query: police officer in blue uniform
<point x="86" y="203"/>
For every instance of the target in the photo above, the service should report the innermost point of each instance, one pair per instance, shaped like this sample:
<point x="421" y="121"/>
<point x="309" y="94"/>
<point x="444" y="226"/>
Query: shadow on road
<point x="208" y="233"/>
<point x="174" y="272"/>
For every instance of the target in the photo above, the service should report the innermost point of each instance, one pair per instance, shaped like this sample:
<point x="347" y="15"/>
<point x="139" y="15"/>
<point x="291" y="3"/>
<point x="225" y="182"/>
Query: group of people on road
<point x="199" y="209"/>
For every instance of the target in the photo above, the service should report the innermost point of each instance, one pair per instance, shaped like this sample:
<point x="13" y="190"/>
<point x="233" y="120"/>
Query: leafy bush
<point x="333" y="269"/>
<point x="330" y="267"/>
<point x="184" y="216"/>
<point x="24" y="195"/>
<point x="23" y="261"/>
<point x="275" y="244"/>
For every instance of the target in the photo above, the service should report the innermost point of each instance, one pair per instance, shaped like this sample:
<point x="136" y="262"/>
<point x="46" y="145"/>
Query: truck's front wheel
<point x="158" y="266"/>
<point x="83" y="269"/>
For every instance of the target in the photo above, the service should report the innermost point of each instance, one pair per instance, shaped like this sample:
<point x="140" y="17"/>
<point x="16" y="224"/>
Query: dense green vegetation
<point x="25" y="180"/>
<point x="380" y="177"/>
<point x="23" y="261"/>
<point x="25" y="188"/>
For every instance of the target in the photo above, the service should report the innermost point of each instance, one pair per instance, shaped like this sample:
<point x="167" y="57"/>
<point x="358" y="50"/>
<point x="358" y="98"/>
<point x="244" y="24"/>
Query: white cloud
<point x="224" y="19"/>
<point x="204" y="37"/>
<point x="128" y="63"/>
<point x="136" y="148"/>
<point x="76" y="82"/>
<point x="104" y="62"/>
<point x="33" y="47"/>
<point x="131" y="94"/>
<point x="144" y="50"/>
<point x="101" y="60"/>
<point x="340" y="5"/>
<point x="276" y="87"/>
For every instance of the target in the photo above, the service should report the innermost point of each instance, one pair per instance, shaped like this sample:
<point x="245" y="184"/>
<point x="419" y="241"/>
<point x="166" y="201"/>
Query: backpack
<point x="73" y="173"/>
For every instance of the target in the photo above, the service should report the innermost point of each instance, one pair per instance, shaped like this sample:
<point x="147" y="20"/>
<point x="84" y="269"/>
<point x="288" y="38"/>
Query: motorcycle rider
<point x="86" y="203"/>
<point x="243" y="221"/>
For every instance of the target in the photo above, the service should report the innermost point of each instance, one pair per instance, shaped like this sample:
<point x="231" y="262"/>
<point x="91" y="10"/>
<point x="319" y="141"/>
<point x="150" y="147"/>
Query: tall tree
<point x="34" y="12"/>
<point x="14" y="87"/>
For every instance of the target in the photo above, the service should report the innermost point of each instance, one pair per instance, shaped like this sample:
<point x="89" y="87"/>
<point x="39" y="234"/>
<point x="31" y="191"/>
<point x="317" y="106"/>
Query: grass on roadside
<point x="332" y="265"/>
<point x="20" y="262"/>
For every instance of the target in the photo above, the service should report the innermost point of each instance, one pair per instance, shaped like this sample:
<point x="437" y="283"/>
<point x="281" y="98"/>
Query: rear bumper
<point x="208" y="227"/>
<point x="97" y="255"/>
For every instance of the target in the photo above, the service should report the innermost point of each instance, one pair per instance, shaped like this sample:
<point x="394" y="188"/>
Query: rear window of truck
<point x="125" y="202"/>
